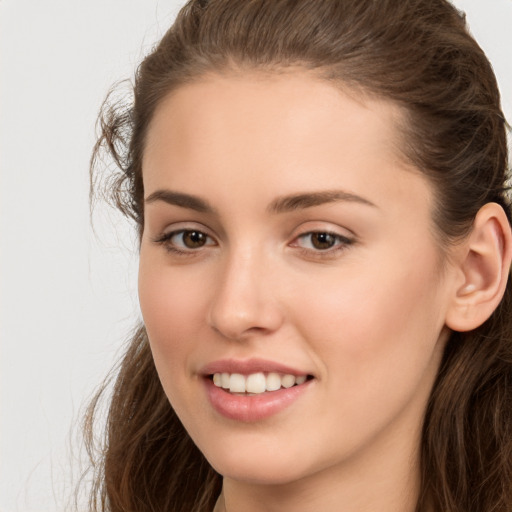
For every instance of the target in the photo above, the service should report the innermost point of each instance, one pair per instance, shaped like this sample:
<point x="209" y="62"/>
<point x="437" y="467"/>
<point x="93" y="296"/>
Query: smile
<point x="254" y="390"/>
<point x="256" y="383"/>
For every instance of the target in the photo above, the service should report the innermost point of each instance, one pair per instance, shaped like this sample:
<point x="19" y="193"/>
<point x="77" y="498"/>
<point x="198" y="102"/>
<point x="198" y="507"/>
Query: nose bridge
<point x="243" y="301"/>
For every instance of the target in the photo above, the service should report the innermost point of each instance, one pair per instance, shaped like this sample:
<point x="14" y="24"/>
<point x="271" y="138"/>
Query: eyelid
<point x="322" y="255"/>
<point x="319" y="226"/>
<point x="344" y="239"/>
<point x="166" y="236"/>
<point x="341" y="238"/>
<point x="172" y="232"/>
<point x="325" y="232"/>
<point x="177" y="227"/>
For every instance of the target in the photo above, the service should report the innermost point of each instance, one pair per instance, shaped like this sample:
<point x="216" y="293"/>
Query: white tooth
<point x="217" y="379"/>
<point x="255" y="383"/>
<point x="224" y="379"/>
<point x="287" y="381"/>
<point x="273" y="382"/>
<point x="300" y="379"/>
<point x="237" y="383"/>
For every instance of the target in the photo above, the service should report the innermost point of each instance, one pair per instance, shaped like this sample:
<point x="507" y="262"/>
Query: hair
<point x="417" y="54"/>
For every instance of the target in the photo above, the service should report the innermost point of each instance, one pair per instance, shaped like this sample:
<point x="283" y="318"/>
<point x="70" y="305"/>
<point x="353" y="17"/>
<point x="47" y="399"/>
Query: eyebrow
<point x="180" y="199"/>
<point x="308" y="200"/>
<point x="283" y="204"/>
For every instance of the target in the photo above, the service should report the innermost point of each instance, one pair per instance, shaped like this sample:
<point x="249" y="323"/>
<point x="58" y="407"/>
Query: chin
<point x="253" y="474"/>
<point x="258" y="466"/>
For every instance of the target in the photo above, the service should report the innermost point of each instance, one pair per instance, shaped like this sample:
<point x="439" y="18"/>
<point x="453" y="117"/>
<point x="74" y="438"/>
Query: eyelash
<point x="166" y="238"/>
<point x="341" y="243"/>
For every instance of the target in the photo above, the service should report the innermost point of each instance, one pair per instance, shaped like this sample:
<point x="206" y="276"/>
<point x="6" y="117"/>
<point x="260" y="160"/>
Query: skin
<point x="366" y="318"/>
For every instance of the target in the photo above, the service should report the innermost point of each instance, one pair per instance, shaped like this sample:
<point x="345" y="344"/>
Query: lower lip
<point x="256" y="407"/>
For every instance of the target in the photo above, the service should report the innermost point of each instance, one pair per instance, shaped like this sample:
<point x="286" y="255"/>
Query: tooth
<point x="224" y="379"/>
<point x="300" y="379"/>
<point x="237" y="383"/>
<point x="287" y="381"/>
<point x="273" y="382"/>
<point x="256" y="383"/>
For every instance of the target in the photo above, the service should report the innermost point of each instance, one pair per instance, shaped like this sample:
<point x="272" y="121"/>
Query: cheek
<point x="376" y="325"/>
<point x="375" y="337"/>
<point x="171" y="306"/>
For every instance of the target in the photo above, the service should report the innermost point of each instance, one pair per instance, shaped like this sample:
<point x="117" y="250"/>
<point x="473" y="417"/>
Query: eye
<point x="189" y="239"/>
<point x="185" y="240"/>
<point x="321" y="241"/>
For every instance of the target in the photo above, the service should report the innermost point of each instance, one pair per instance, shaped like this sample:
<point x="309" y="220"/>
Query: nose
<point x="244" y="301"/>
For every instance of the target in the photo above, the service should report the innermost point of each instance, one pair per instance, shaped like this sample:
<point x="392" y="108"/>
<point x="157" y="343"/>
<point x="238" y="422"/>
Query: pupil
<point x="323" y="240"/>
<point x="193" y="239"/>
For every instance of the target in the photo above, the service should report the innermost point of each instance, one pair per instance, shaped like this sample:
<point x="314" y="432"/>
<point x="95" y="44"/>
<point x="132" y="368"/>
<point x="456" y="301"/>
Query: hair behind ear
<point x="467" y="434"/>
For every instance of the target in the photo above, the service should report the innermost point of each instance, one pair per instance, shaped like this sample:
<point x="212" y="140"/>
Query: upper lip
<point x="248" y="366"/>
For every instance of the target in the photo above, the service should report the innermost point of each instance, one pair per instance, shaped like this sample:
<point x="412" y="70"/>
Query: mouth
<point x="254" y="389"/>
<point x="257" y="383"/>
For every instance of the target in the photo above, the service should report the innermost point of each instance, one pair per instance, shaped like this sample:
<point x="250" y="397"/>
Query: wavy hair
<point x="415" y="53"/>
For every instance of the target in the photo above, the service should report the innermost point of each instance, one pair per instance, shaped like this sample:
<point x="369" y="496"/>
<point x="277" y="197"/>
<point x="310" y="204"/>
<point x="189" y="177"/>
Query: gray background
<point x="67" y="295"/>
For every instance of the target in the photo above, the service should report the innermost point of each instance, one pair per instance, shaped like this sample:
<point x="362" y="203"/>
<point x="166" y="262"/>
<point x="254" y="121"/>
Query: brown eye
<point x="185" y="240"/>
<point x="322" y="241"/>
<point x="193" y="239"/>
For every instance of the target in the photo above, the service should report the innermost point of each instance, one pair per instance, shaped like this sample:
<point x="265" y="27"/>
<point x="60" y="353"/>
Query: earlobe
<point x="484" y="266"/>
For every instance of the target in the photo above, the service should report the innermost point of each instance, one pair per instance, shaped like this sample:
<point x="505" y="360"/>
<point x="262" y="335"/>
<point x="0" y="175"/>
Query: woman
<point x="320" y="192"/>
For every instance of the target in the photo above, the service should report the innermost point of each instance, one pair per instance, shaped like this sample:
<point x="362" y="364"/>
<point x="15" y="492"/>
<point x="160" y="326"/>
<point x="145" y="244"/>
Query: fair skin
<point x="348" y="287"/>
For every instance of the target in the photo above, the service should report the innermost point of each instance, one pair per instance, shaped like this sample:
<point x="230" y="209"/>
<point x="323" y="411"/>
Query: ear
<point x="483" y="268"/>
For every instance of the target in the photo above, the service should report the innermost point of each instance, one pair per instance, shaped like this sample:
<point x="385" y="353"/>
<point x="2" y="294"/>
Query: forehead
<point x="284" y="133"/>
<point x="276" y="110"/>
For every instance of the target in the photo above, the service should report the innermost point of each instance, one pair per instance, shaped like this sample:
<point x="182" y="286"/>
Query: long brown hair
<point x="416" y="53"/>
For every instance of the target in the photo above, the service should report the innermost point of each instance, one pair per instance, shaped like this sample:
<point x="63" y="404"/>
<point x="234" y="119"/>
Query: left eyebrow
<point x="310" y="199"/>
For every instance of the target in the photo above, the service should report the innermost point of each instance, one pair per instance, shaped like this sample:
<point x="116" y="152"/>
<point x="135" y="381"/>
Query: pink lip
<point x="253" y="408"/>
<point x="245" y="367"/>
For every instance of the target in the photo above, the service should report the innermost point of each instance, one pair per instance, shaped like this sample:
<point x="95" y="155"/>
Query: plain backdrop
<point x="68" y="295"/>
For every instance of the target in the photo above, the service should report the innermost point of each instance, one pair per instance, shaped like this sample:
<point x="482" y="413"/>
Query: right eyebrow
<point x="180" y="199"/>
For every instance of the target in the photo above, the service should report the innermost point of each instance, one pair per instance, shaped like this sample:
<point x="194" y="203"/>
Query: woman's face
<point x="285" y="241"/>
